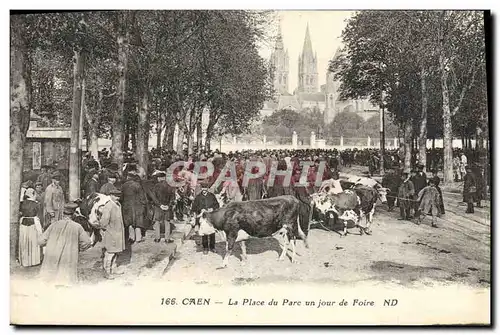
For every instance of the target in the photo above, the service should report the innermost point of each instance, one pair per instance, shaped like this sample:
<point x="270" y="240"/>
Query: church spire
<point x="279" y="38"/>
<point x="307" y="48"/>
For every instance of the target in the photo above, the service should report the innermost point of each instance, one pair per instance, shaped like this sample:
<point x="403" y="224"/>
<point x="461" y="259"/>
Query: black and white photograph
<point x="250" y="167"/>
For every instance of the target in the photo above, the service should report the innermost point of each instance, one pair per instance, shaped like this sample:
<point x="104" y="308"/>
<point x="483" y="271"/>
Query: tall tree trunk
<point x="118" y="115"/>
<point x="422" y="138"/>
<point x="199" y="136"/>
<point x="408" y="145"/>
<point x="133" y="139"/>
<point x="180" y="137"/>
<point x="164" y="140"/>
<point x="169" y="138"/>
<point x="143" y="131"/>
<point x="209" y="134"/>
<point x="19" y="119"/>
<point x="447" y="125"/>
<point x="74" y="153"/>
<point x="189" y="137"/>
<point x="159" y="129"/>
<point x="126" y="137"/>
<point x="94" y="143"/>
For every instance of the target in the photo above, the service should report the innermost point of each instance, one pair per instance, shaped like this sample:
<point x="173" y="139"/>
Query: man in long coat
<point x="163" y="211"/>
<point x="133" y="207"/>
<point x="405" y="194"/>
<point x="205" y="200"/>
<point x="419" y="182"/>
<point x="54" y="200"/>
<point x="429" y="201"/>
<point x="469" y="189"/>
<point x="63" y="239"/>
<point x="113" y="239"/>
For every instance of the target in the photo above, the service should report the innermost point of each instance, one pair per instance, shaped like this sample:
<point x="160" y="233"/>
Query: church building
<point x="309" y="96"/>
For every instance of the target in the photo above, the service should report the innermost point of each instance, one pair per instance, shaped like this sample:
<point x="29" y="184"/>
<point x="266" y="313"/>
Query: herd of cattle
<point x="286" y="218"/>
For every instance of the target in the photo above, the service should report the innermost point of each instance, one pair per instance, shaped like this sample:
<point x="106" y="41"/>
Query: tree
<point x="458" y="66"/>
<point x="19" y="113"/>
<point x="347" y="124"/>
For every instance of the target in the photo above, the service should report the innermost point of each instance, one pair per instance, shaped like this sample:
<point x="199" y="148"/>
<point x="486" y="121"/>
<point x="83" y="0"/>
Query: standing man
<point x="133" y="207"/>
<point x="428" y="198"/>
<point x="469" y="189"/>
<point x="205" y="200"/>
<point x="405" y="195"/>
<point x="111" y="223"/>
<point x="63" y="239"/>
<point x="54" y="200"/>
<point x="419" y="180"/>
<point x="435" y="178"/>
<point x="163" y="211"/>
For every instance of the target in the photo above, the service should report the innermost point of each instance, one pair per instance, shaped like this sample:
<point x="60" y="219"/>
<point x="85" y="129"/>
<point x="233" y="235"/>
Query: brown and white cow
<point x="89" y="213"/>
<point x="276" y="217"/>
<point x="343" y="206"/>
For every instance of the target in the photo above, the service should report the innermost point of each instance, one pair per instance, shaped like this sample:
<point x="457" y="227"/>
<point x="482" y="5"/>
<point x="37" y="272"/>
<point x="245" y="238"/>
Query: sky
<point x="325" y="28"/>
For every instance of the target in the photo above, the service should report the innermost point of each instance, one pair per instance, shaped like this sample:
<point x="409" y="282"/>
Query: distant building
<point x="307" y="95"/>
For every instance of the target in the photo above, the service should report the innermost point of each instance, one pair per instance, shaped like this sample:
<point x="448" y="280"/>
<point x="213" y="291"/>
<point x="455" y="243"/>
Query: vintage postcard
<point x="244" y="167"/>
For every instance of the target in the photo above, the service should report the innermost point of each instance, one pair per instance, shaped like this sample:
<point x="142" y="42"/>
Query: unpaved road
<point x="397" y="252"/>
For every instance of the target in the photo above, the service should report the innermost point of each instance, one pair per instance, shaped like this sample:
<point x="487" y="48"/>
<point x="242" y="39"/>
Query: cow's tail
<point x="301" y="232"/>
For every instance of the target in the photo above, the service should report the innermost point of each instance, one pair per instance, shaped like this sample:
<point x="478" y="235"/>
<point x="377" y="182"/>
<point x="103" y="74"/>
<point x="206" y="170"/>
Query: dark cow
<point x="273" y="217"/>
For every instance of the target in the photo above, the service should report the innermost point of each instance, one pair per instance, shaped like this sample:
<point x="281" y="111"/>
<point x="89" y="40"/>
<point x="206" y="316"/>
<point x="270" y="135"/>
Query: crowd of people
<point x="143" y="199"/>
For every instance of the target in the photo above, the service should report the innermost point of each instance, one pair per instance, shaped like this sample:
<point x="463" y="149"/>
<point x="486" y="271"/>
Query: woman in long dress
<point x="30" y="253"/>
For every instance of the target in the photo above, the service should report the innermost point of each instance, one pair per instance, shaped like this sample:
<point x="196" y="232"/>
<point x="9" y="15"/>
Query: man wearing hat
<point x="469" y="189"/>
<point x="207" y="201"/>
<point x="54" y="200"/>
<point x="163" y="211"/>
<point x="113" y="239"/>
<point x="110" y="185"/>
<point x="110" y="170"/>
<point x="63" y="240"/>
<point x="405" y="194"/>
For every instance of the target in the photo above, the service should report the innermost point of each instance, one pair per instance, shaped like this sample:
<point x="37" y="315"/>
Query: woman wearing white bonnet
<point x="30" y="253"/>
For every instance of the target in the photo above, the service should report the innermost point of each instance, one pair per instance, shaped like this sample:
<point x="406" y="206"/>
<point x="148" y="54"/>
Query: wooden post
<point x="74" y="157"/>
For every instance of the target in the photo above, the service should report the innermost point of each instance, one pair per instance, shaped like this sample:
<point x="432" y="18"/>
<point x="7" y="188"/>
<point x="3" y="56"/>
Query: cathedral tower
<point x="331" y="92"/>
<point x="280" y="65"/>
<point x="308" y="67"/>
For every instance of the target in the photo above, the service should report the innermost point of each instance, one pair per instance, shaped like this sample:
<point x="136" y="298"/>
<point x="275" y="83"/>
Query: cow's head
<point x="89" y="213"/>
<point x="91" y="207"/>
<point x="382" y="193"/>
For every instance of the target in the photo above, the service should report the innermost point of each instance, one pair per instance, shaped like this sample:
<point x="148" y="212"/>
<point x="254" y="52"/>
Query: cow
<point x="352" y="181"/>
<point x="274" y="217"/>
<point x="344" y="206"/>
<point x="89" y="213"/>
